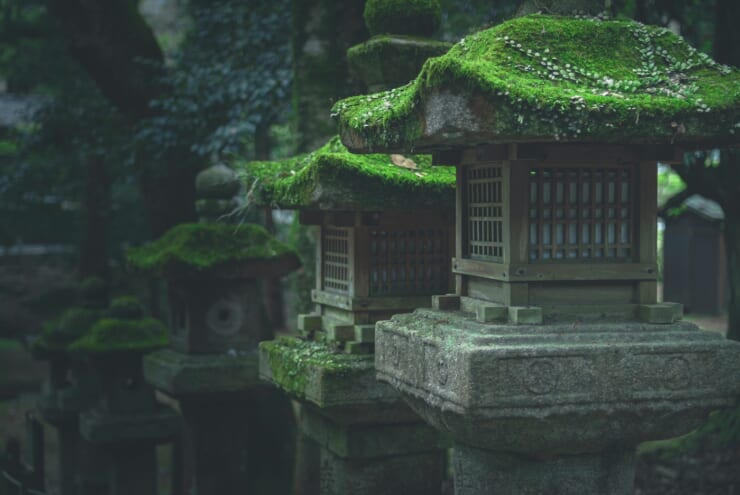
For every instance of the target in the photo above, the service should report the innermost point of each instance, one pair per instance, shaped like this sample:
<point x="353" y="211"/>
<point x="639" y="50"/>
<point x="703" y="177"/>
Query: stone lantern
<point x="553" y="359"/>
<point x="71" y="388"/>
<point x="385" y="234"/>
<point x="213" y="271"/>
<point x="125" y="423"/>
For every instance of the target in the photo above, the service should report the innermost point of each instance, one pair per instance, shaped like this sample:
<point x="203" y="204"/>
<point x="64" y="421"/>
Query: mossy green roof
<point x="331" y="178"/>
<point x="118" y="334"/>
<point x="543" y="78"/>
<point x="201" y="246"/>
<point x="58" y="333"/>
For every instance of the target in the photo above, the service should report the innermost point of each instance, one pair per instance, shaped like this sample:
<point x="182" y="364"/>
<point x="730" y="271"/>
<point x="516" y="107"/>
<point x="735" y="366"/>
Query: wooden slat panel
<point x="555" y="271"/>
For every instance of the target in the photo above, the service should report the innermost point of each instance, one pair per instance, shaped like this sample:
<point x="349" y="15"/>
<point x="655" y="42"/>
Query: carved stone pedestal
<point x="554" y="408"/>
<point x="370" y="441"/>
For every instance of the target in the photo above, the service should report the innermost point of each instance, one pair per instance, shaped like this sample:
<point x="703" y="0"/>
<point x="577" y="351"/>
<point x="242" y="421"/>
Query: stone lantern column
<point x="385" y="225"/>
<point x="554" y="359"/>
<point x="125" y="423"/>
<point x="71" y="388"/>
<point x="238" y="432"/>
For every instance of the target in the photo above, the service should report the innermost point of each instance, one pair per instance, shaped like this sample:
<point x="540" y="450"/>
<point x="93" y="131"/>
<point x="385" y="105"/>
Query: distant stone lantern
<point x="72" y="388"/>
<point x="125" y="423"/>
<point x="385" y="235"/>
<point x="217" y="318"/>
<point x="553" y="359"/>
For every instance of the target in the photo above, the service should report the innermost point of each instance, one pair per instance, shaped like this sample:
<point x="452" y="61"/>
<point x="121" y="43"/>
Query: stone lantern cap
<point x="215" y="249"/>
<point x="123" y="328"/>
<point x="545" y="78"/>
<point x="332" y="178"/>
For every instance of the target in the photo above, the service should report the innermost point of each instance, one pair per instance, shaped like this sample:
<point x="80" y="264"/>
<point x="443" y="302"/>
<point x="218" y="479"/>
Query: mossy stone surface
<point x="414" y="17"/>
<point x="385" y="61"/>
<point x="331" y="178"/>
<point x="126" y="307"/>
<point x="545" y="78"/>
<point x="201" y="246"/>
<point x="57" y="334"/>
<point x="117" y="334"/>
<point x="216" y="182"/>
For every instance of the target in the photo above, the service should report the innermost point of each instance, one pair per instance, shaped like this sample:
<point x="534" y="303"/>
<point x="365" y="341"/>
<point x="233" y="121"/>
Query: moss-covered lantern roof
<point x="332" y="178"/>
<point x="230" y="250"/>
<point x="545" y="78"/>
<point x="113" y="334"/>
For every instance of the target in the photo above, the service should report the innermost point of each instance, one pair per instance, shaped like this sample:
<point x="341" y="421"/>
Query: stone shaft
<point x="483" y="472"/>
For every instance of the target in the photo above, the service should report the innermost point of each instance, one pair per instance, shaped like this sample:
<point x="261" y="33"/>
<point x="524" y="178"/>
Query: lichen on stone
<point x="333" y="178"/>
<point x="291" y="361"/>
<point x="551" y="78"/>
<point x="415" y="17"/>
<point x="201" y="246"/>
<point x="121" y="334"/>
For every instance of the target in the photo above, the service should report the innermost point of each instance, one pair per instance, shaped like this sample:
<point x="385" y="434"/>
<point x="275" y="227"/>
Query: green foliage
<point x="669" y="184"/>
<point x="414" y="17"/>
<point x="115" y="334"/>
<point x="231" y="76"/>
<point x="557" y="78"/>
<point x="333" y="178"/>
<point x="204" y="245"/>
<point x="721" y="430"/>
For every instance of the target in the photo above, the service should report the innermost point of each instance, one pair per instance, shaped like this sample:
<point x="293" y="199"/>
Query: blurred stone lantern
<point x="125" y="422"/>
<point x="213" y="271"/>
<point x="71" y="388"/>
<point x="553" y="359"/>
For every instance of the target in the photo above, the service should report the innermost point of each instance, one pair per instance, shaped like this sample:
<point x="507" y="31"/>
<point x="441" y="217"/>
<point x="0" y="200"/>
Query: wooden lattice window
<point x="409" y="261"/>
<point x="335" y="252"/>
<point x="582" y="213"/>
<point x="485" y="213"/>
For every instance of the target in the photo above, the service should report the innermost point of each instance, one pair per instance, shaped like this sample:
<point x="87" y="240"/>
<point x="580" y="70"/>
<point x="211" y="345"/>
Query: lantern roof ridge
<point x="332" y="178"/>
<point x="195" y="247"/>
<point x="548" y="78"/>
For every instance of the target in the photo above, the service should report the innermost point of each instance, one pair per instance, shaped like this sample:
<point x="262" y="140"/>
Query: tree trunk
<point x="93" y="259"/>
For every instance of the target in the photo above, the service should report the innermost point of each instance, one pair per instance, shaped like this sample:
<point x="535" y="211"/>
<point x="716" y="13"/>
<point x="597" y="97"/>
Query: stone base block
<point x="99" y="426"/>
<point x="178" y="374"/>
<point x="483" y="472"/>
<point x="364" y="441"/>
<point x="416" y="474"/>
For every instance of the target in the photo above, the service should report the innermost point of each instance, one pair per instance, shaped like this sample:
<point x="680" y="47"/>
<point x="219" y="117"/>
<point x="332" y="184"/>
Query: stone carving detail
<point x="676" y="373"/>
<point x="541" y="377"/>
<point x="225" y="317"/>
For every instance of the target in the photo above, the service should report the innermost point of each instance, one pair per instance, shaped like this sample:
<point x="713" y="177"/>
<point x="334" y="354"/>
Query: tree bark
<point x="93" y="259"/>
<point x="116" y="47"/>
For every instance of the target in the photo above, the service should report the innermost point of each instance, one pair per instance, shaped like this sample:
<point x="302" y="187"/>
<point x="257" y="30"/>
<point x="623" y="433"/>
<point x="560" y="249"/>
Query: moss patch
<point x="386" y="60"/>
<point x="552" y="78"/>
<point x="116" y="334"/>
<point x="333" y="178"/>
<point x="292" y="361"/>
<point x="205" y="245"/>
<point x="416" y="17"/>
<point x="59" y="333"/>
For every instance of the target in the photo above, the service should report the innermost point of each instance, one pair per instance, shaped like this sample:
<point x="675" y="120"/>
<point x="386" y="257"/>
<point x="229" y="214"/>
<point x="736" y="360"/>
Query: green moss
<point x="292" y="360"/>
<point x="59" y="333"/>
<point x="126" y="307"/>
<point x="551" y="78"/>
<point x="415" y="17"/>
<point x="116" y="334"/>
<point x="333" y="178"/>
<point x="204" y="245"/>
<point x="384" y="61"/>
